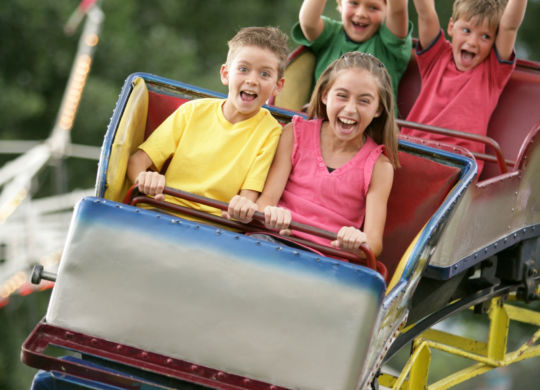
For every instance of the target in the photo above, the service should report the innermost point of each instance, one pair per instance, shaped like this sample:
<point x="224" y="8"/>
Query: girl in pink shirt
<point x="335" y="169"/>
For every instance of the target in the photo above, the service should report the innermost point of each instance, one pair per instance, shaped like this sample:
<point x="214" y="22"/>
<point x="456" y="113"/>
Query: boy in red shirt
<point x="463" y="79"/>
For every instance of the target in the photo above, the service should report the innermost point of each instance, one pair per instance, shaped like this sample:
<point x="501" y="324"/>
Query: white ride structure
<point x="33" y="231"/>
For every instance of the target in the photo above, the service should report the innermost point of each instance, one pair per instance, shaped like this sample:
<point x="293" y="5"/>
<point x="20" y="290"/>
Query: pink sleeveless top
<point x="328" y="200"/>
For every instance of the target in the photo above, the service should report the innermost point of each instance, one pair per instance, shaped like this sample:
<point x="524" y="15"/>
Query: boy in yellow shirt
<point x="220" y="148"/>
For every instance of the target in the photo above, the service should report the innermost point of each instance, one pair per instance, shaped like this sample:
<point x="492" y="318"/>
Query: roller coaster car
<point x="152" y="300"/>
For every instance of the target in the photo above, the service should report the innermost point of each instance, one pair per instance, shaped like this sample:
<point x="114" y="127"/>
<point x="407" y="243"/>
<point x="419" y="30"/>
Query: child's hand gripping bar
<point x="134" y="197"/>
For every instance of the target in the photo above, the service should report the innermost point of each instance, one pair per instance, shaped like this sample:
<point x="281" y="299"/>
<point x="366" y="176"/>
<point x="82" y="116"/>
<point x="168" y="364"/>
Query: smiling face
<point x="252" y="77"/>
<point x="351" y="104"/>
<point x="361" y="18"/>
<point x="472" y="41"/>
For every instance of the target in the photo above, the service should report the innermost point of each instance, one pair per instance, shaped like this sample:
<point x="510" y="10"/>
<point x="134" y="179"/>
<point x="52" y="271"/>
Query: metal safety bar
<point x="499" y="157"/>
<point x="134" y="197"/>
<point x="33" y="353"/>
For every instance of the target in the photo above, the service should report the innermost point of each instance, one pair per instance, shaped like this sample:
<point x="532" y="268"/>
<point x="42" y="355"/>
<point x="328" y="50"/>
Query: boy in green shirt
<point x="377" y="27"/>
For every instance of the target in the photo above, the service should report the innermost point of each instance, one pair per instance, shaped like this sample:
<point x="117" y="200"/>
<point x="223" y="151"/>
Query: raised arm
<point x="310" y="19"/>
<point x="508" y="27"/>
<point x="397" y="17"/>
<point x="428" y="21"/>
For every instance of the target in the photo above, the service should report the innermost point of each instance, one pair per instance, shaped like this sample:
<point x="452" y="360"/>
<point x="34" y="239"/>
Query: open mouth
<point x="347" y="124"/>
<point x="360" y="25"/>
<point x="248" y="96"/>
<point x="467" y="57"/>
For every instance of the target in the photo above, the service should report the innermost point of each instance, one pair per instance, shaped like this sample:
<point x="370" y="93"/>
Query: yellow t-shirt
<point x="211" y="156"/>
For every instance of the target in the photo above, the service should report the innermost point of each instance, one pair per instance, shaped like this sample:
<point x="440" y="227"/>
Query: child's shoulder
<point x="205" y="102"/>
<point x="300" y="121"/>
<point x="201" y="106"/>
<point x="332" y="29"/>
<point x="440" y="43"/>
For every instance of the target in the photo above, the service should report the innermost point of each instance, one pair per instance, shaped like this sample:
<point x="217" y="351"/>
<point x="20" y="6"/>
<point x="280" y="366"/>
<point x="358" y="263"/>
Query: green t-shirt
<point x="392" y="51"/>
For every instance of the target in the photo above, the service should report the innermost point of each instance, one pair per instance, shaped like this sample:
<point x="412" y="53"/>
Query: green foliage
<point x="35" y="57"/>
<point x="180" y="39"/>
<point x="17" y="319"/>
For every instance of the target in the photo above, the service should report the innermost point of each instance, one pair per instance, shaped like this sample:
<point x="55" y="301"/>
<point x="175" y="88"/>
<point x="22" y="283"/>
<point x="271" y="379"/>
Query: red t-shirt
<point x="454" y="99"/>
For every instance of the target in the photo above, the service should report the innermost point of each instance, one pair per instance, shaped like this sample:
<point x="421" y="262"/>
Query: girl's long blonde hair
<point x="382" y="129"/>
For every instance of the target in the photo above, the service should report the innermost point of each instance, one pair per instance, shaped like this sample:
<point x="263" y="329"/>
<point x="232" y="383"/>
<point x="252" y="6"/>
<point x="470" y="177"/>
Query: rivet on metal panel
<point x="93" y="341"/>
<point x="194" y="367"/>
<point x="220" y="375"/>
<point x="118" y="347"/>
<point x="246" y="381"/>
<point x="68" y="335"/>
<point x="144" y="355"/>
<point x="169" y="361"/>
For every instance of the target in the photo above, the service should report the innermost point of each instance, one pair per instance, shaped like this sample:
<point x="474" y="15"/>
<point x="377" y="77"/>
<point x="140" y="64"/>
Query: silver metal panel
<point x="215" y="298"/>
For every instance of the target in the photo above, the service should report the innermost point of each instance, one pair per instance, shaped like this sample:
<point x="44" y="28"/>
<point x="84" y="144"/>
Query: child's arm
<point x="241" y="207"/>
<point x="279" y="170"/>
<point x="508" y="27"/>
<point x="278" y="218"/>
<point x="148" y="182"/>
<point x="351" y="238"/>
<point x="397" y="17"/>
<point x="376" y="203"/>
<point x="310" y="19"/>
<point x="428" y="21"/>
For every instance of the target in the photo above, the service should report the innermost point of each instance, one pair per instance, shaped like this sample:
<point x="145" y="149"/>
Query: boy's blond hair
<point x="271" y="38"/>
<point x="490" y="10"/>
